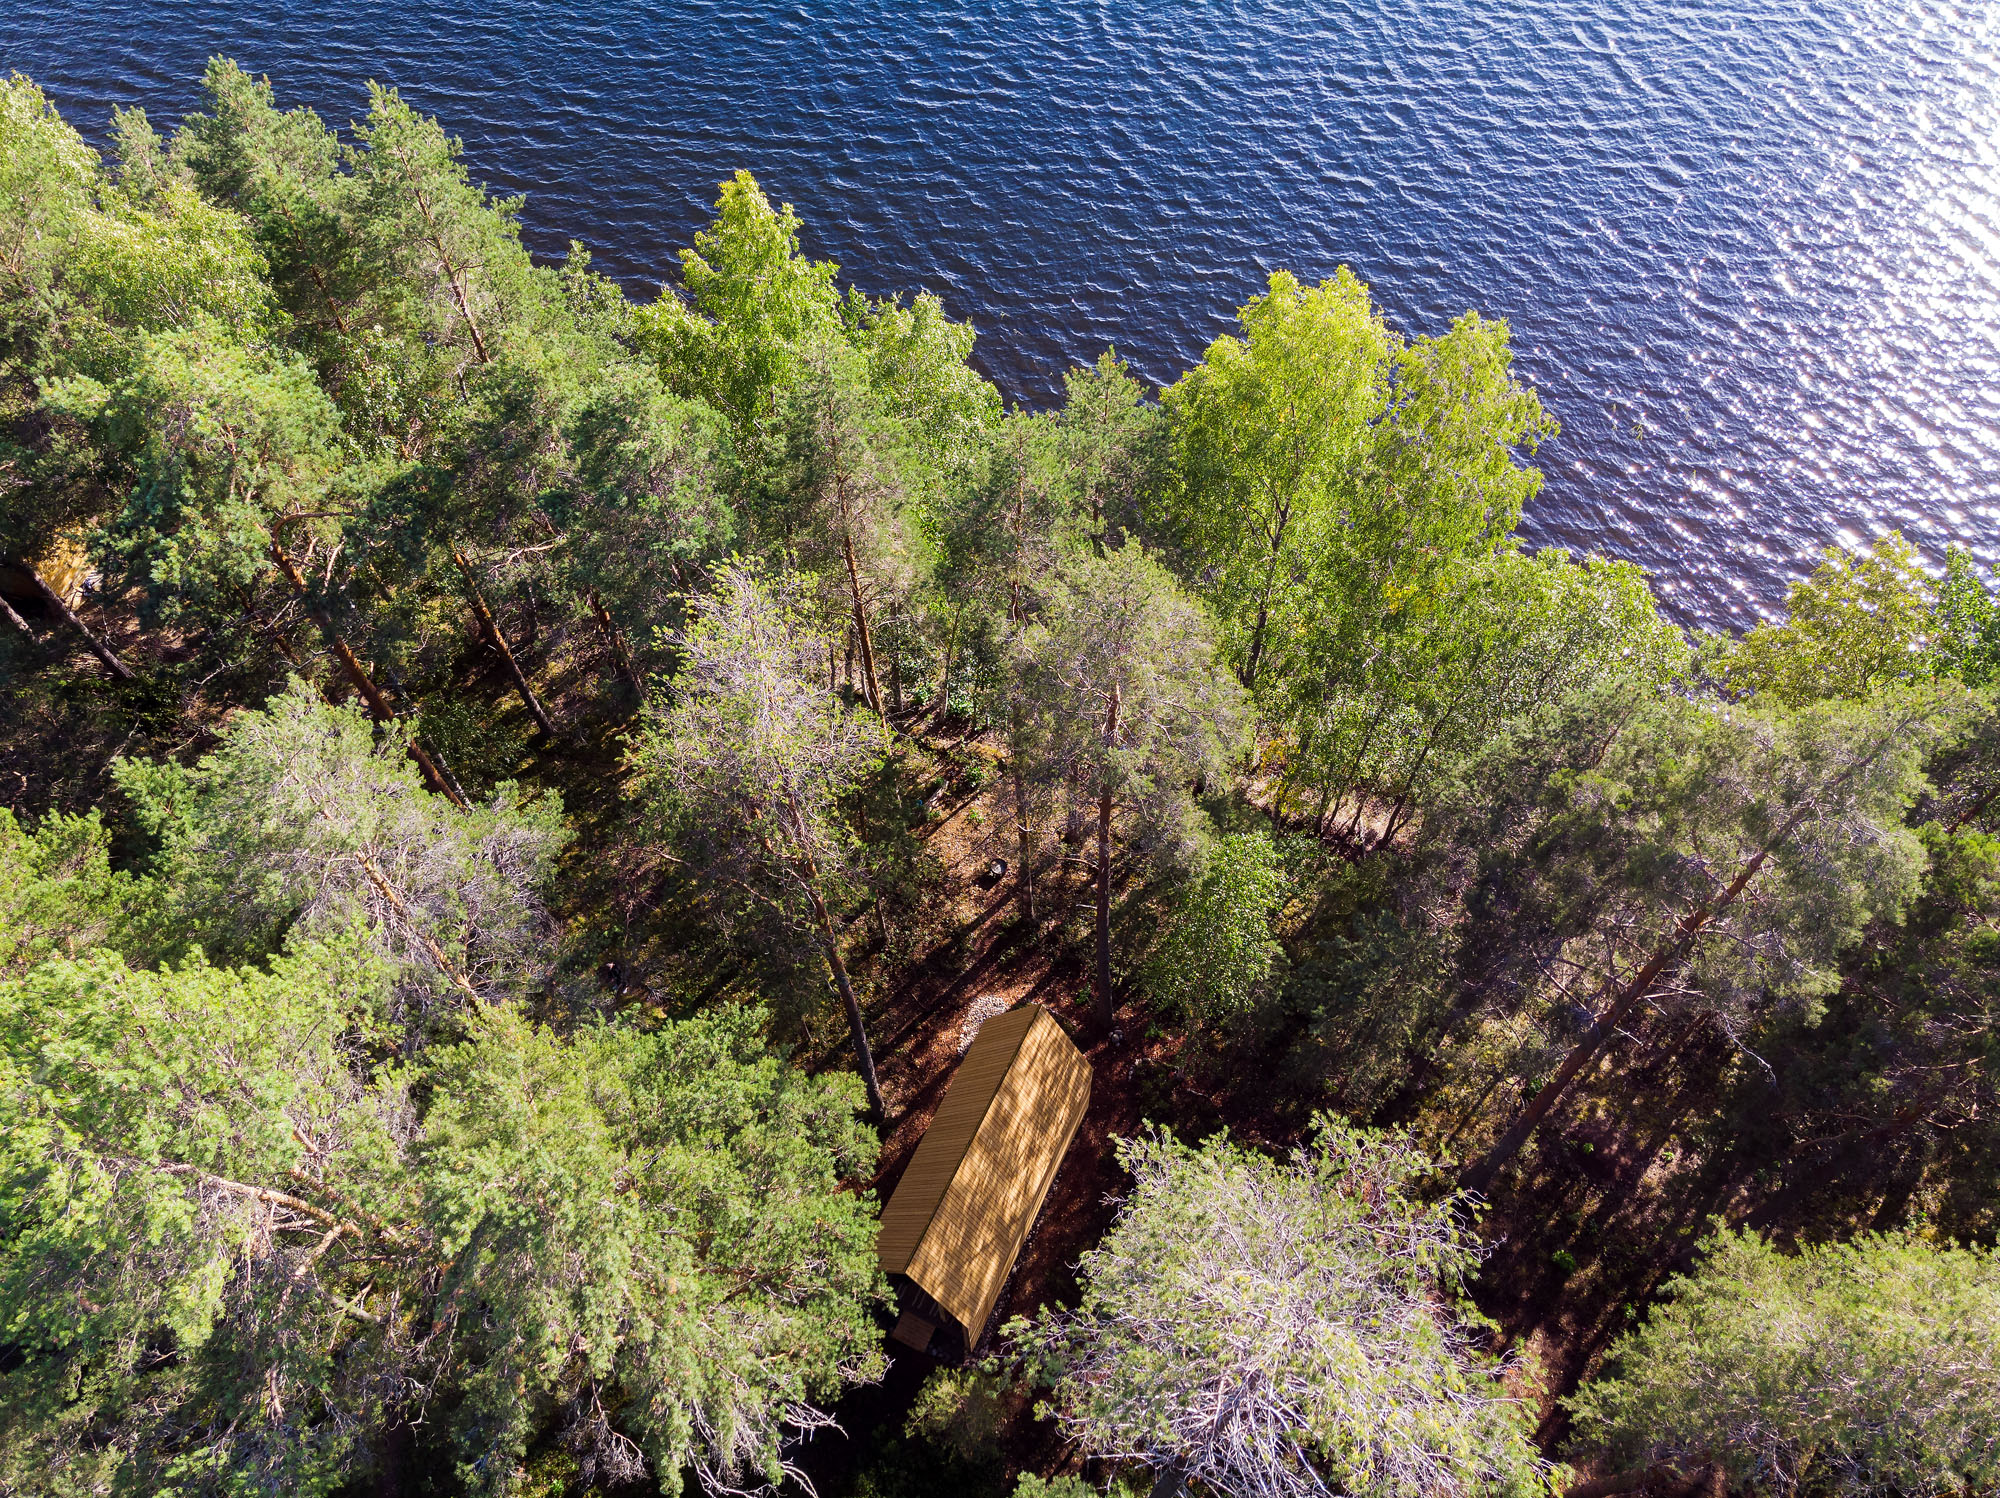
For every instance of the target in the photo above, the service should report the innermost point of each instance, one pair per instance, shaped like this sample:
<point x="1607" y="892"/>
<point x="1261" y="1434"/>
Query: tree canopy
<point x="515" y="794"/>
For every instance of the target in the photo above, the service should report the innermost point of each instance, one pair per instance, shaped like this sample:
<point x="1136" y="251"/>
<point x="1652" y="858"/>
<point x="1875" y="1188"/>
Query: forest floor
<point x="1595" y="1216"/>
<point x="1608" y="1201"/>
<point x="988" y="961"/>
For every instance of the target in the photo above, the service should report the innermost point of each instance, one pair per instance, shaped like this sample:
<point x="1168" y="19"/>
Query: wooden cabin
<point x="951" y="1232"/>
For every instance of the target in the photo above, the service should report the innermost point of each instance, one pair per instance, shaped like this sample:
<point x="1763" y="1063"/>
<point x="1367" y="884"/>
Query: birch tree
<point x="746" y="759"/>
<point x="754" y="303"/>
<point x="1271" y="430"/>
<point x="1859" y="622"/>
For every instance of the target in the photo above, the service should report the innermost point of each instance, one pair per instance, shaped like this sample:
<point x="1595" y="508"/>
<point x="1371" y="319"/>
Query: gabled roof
<point x="980" y="1173"/>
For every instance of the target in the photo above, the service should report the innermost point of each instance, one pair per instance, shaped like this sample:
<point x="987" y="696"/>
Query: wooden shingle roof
<point x="980" y="1173"/>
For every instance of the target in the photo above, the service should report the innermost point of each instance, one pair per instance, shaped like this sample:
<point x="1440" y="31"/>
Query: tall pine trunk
<point x="1479" y="1175"/>
<point x="863" y="1053"/>
<point x="350" y="665"/>
<point x="1024" y="876"/>
<point x="868" y="682"/>
<point x="490" y="628"/>
<point x="844" y="501"/>
<point x="621" y="657"/>
<point x="1106" y="1009"/>
<point x="104" y="653"/>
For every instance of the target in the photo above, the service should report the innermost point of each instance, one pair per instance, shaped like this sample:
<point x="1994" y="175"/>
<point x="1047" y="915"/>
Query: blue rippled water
<point x="1750" y="249"/>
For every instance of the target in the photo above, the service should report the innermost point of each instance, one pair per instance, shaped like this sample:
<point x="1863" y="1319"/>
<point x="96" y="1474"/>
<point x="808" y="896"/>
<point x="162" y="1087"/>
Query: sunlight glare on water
<point x="1750" y="252"/>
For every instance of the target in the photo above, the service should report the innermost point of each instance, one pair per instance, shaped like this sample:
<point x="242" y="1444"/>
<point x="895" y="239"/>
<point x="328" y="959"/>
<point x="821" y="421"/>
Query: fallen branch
<point x="98" y="648"/>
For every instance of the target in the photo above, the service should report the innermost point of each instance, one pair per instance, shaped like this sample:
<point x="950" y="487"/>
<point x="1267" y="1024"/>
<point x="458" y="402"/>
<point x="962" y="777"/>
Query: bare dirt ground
<point x="991" y="962"/>
<point x="1598" y="1215"/>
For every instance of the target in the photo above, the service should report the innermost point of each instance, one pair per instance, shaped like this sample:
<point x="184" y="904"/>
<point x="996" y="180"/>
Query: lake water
<point x="1750" y="250"/>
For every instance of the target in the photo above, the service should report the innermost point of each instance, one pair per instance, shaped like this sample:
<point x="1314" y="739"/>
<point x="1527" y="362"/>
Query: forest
<point x="514" y="794"/>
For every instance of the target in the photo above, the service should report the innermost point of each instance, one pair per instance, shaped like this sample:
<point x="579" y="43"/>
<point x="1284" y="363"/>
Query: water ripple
<point x="1750" y="251"/>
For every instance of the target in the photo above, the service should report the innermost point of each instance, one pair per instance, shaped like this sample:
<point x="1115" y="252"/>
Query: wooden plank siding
<point x="983" y="1168"/>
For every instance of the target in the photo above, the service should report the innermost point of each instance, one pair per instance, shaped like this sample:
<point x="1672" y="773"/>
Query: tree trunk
<point x="491" y="629"/>
<point x="1479" y="1175"/>
<point x="443" y="766"/>
<point x="98" y="648"/>
<point x="378" y="705"/>
<point x="1257" y="640"/>
<point x="395" y="1454"/>
<point x="943" y="712"/>
<point x="1284" y="514"/>
<point x="1014" y="613"/>
<point x="620" y="656"/>
<point x="1106" y="1010"/>
<point x="830" y="944"/>
<point x="868" y="681"/>
<point x="15" y="619"/>
<point x="1024" y="876"/>
<point x="451" y="272"/>
<point x="1978" y="805"/>
<point x="437" y="955"/>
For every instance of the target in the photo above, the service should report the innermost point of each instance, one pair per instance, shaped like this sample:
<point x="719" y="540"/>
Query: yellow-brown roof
<point x="979" y="1174"/>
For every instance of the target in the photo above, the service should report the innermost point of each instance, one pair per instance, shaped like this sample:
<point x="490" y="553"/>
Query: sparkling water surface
<point x="1750" y="251"/>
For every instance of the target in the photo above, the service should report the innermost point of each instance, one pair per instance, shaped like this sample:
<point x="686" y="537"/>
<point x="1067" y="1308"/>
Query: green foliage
<point x="48" y="180"/>
<point x="655" y="1226"/>
<point x="1066" y="1486"/>
<point x="949" y="1442"/>
<point x="1117" y="626"/>
<point x="275" y="1238"/>
<point x="1862" y="1368"/>
<point x="958" y="1411"/>
<point x="1965" y="623"/>
<point x="225" y="442"/>
<point x="754" y="305"/>
<point x="1218" y="949"/>
<point x="300" y="823"/>
<point x="297" y="1187"/>
<point x="1894" y="1082"/>
<point x="1269" y="431"/>
<point x="144" y="1114"/>
<point x="1495" y="640"/>
<point x="1283" y="1327"/>
<point x="1625" y="814"/>
<point x="747" y="761"/>
<point x="58" y="893"/>
<point x="446" y="261"/>
<point x="1109" y="439"/>
<point x="1858" y="623"/>
<point x="1327" y="471"/>
<point x="916" y="364"/>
